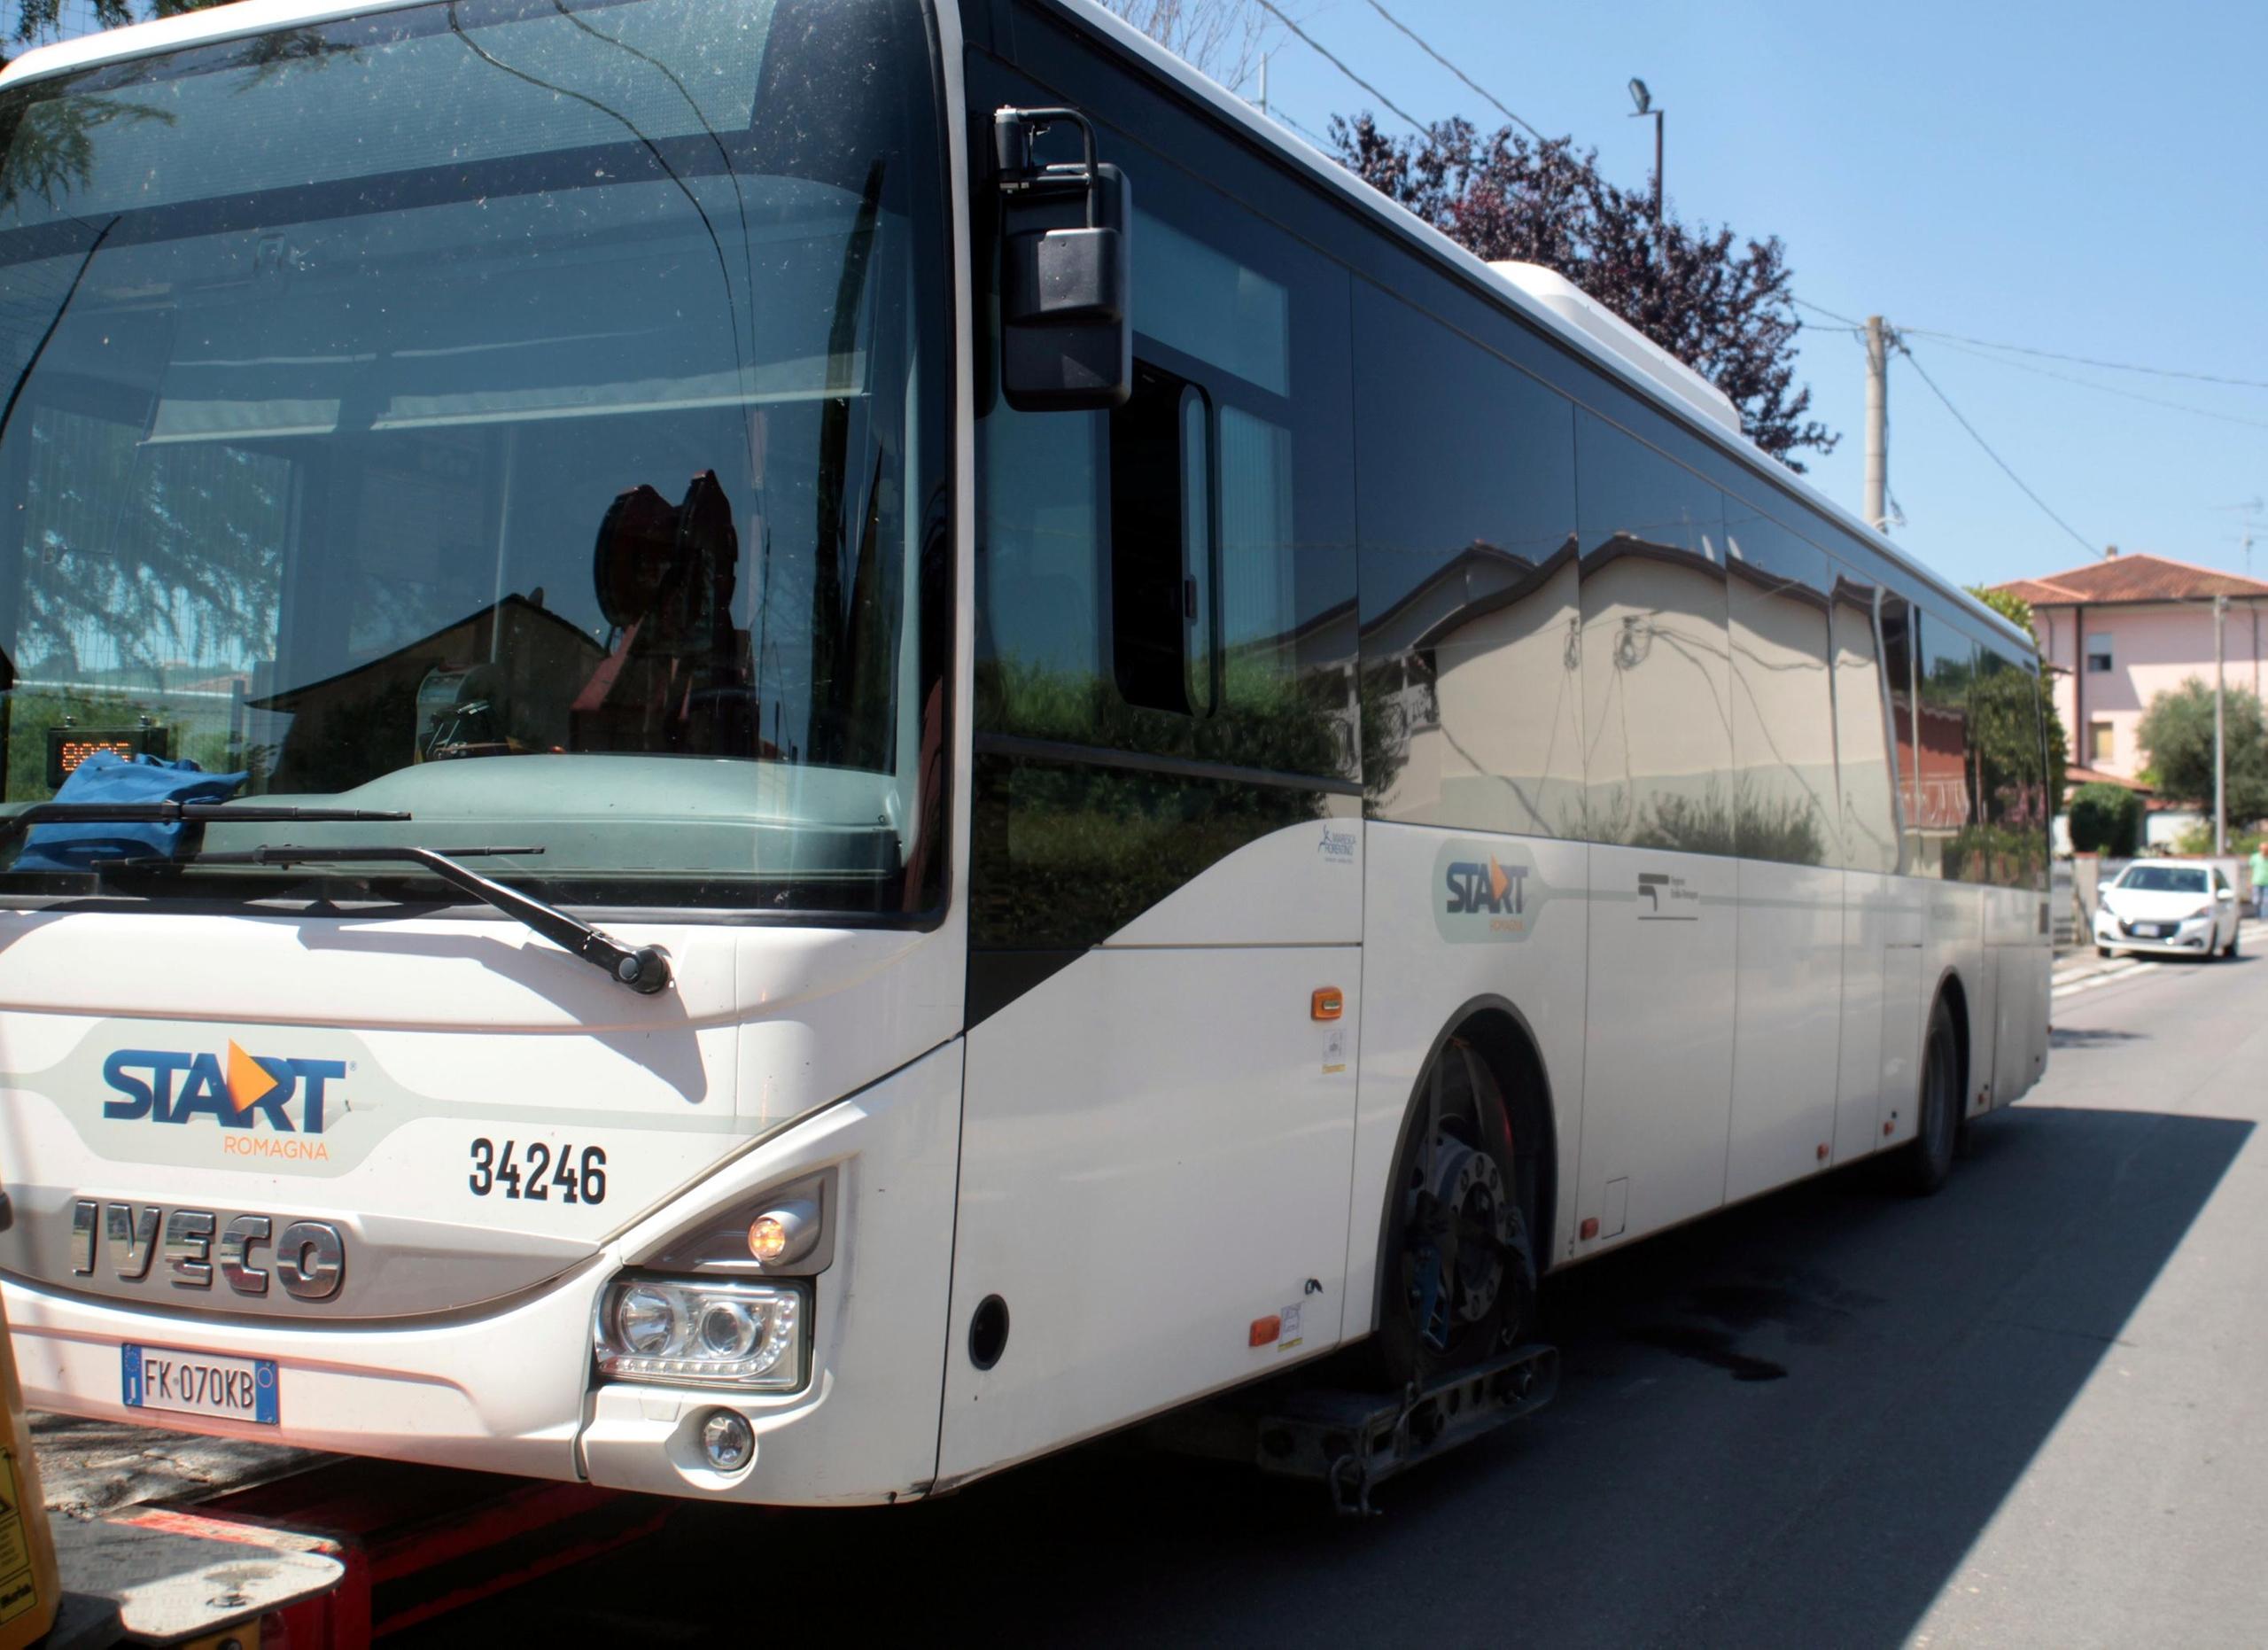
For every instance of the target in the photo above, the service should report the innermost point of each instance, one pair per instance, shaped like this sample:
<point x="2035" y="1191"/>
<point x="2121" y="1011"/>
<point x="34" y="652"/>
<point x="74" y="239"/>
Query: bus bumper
<point x="511" y="1390"/>
<point x="424" y="1391"/>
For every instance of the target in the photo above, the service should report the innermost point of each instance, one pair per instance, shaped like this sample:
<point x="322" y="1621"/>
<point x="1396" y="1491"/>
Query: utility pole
<point x="2220" y="731"/>
<point x="1877" y="424"/>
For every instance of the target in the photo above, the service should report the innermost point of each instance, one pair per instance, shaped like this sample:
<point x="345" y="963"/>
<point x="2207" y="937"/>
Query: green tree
<point x="2176" y="732"/>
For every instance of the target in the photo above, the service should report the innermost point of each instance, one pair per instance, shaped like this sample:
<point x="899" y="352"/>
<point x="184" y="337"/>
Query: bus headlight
<point x="721" y="1334"/>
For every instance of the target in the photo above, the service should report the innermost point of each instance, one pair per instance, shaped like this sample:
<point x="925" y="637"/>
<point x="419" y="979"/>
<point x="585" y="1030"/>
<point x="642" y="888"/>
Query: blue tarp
<point x="106" y="777"/>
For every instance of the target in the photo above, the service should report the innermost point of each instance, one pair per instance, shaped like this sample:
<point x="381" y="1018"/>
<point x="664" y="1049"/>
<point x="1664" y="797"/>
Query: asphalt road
<point x="2029" y="1411"/>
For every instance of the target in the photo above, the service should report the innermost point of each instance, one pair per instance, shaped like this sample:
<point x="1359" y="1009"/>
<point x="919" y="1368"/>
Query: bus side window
<point x="1898" y="675"/>
<point x="1471" y="657"/>
<point x="1783" y="731"/>
<point x="1944" y="766"/>
<point x="1162" y="544"/>
<point x="1258" y="323"/>
<point x="1656" y="676"/>
<point x="1862" y="745"/>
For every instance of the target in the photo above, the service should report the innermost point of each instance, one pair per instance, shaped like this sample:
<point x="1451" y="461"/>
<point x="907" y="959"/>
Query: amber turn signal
<point x="1328" y="1003"/>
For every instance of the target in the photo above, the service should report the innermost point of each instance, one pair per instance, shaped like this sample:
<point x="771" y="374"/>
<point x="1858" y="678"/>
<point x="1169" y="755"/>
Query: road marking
<point x="2108" y="976"/>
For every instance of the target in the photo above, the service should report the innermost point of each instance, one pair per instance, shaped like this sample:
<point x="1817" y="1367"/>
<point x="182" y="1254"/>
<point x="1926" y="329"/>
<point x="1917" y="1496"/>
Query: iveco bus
<point x="782" y="748"/>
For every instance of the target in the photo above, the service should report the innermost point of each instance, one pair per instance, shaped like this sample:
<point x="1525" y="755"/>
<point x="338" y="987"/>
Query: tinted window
<point x="1897" y="669"/>
<point x="1783" y="724"/>
<point x="1657" y="688"/>
<point x="1944" y="790"/>
<point x="1861" y="738"/>
<point x="1472" y="661"/>
<point x="1178" y="578"/>
<point x="2009" y="764"/>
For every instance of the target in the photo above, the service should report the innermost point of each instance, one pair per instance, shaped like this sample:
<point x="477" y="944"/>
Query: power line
<point x="2089" y="361"/>
<point x="1490" y="96"/>
<point x="2107" y="389"/>
<point x="1989" y="454"/>
<point x="1820" y="310"/>
<point x="1323" y="51"/>
<point x="1308" y="132"/>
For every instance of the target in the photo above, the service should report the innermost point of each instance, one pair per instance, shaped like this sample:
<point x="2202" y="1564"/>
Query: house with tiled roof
<point x="2120" y="631"/>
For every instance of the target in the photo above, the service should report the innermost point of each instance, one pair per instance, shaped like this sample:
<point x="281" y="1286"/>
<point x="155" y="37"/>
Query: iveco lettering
<point x="780" y="751"/>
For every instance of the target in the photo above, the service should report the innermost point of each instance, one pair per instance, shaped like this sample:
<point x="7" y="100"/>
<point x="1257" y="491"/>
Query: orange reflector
<point x="1264" y="1330"/>
<point x="1326" y="1004"/>
<point x="1822" y="1151"/>
<point x="1887" y="1127"/>
<point x="1590" y="1228"/>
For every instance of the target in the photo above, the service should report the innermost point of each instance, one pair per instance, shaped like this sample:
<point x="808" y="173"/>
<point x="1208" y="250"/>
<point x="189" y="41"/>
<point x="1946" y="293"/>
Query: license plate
<point x="198" y="1383"/>
<point x="2156" y="930"/>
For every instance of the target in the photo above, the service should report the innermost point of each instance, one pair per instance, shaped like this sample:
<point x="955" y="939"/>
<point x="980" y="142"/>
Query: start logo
<point x="1485" y="894"/>
<point x="237" y="1090"/>
<point x="1499" y="890"/>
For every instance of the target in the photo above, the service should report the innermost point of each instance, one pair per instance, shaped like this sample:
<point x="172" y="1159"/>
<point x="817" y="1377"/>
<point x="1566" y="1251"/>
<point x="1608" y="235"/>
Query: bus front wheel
<point x="1457" y="1283"/>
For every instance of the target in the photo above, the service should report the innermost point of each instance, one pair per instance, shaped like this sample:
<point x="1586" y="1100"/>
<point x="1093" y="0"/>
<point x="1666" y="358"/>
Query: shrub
<point x="2106" y="819"/>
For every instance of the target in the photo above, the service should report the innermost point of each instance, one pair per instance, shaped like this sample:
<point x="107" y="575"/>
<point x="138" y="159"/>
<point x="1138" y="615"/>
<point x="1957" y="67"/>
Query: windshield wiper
<point x="176" y="814"/>
<point x="644" y="970"/>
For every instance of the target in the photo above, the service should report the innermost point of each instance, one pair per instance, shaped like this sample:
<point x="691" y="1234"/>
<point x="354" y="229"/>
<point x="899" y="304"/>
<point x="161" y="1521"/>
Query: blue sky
<point x="2089" y="178"/>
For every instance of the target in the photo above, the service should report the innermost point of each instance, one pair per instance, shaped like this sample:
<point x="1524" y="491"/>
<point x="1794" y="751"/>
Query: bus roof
<point x="1659" y="382"/>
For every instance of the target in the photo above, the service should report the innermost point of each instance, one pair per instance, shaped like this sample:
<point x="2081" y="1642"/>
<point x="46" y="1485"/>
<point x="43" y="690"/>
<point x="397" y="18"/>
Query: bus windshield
<point x="524" y="414"/>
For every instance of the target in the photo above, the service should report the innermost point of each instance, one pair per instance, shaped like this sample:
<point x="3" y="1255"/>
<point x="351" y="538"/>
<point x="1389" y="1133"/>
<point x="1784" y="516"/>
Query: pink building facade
<point x="2121" y="631"/>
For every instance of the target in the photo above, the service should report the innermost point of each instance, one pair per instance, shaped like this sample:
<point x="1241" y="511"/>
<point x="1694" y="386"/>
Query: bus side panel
<point x="1430" y="950"/>
<point x="1155" y="1156"/>
<point x="2018" y="953"/>
<point x="1866" y="900"/>
<point x="1658" y="1069"/>
<point x="1789" y="1025"/>
<point x="1956" y="945"/>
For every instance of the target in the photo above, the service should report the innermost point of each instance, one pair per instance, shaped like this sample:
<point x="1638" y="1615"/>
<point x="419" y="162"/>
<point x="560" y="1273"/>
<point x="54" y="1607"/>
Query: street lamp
<point x="1644" y="100"/>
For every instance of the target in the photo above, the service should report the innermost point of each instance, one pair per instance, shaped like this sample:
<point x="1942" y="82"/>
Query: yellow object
<point x="30" y="1587"/>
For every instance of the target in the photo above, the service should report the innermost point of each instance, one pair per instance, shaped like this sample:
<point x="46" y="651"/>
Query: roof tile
<point x="2118" y="578"/>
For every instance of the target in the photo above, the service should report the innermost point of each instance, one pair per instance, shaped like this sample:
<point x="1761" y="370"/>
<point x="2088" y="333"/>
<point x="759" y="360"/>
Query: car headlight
<point x="750" y="1335"/>
<point x="2199" y="914"/>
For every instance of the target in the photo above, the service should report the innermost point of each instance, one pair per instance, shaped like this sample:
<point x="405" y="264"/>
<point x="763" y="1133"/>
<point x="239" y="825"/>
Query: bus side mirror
<point x="1067" y="336"/>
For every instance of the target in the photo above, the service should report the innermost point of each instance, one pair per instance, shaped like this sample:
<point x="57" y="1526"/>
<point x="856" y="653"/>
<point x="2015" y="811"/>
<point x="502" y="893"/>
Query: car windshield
<point x="524" y="414"/>
<point x="2162" y="879"/>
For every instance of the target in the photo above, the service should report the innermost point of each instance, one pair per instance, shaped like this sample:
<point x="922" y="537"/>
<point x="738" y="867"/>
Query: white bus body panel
<point x="1155" y="1149"/>
<point x="1658" y="1071"/>
<point x="1860" y="1075"/>
<point x="1787" y="1037"/>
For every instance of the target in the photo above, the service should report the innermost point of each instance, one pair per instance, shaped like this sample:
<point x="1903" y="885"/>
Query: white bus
<point x="910" y="742"/>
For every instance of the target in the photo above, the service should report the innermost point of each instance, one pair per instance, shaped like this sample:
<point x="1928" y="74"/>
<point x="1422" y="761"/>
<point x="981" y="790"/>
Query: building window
<point x="2100" y="746"/>
<point x="2099" y="655"/>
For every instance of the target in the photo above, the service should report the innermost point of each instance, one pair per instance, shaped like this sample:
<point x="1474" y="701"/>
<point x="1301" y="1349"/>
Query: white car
<point x="2168" y="907"/>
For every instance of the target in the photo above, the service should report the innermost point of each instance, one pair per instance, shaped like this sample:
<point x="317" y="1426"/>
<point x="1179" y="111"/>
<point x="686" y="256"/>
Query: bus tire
<point x="1926" y="1160"/>
<point x="1457" y="1281"/>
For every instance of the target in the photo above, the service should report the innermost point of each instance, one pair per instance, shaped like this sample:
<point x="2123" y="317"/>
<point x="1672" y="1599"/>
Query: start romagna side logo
<point x="1484" y="893"/>
<point x="258" y="1099"/>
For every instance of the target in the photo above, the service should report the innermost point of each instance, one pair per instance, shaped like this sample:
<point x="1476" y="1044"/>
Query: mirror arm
<point x="1014" y="131"/>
